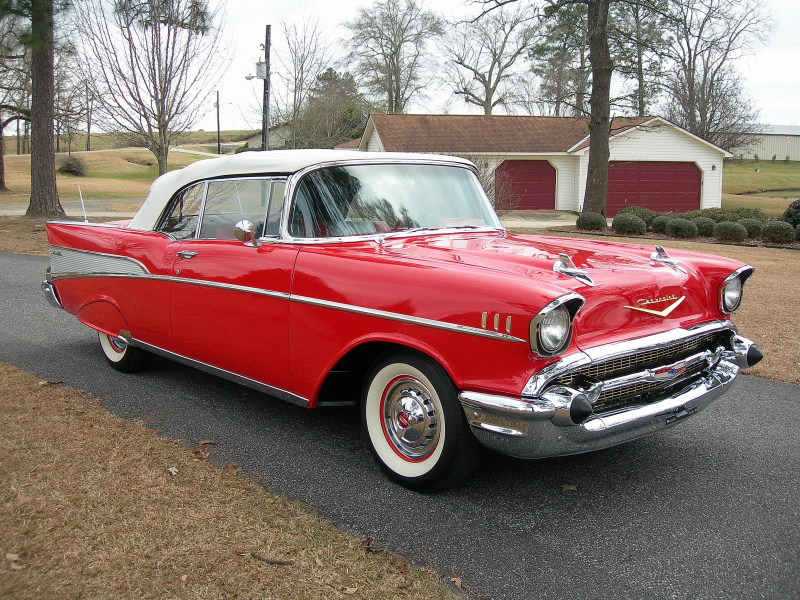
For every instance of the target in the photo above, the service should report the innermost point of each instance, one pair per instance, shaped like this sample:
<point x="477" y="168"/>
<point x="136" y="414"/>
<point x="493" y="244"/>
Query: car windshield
<point x="368" y="199"/>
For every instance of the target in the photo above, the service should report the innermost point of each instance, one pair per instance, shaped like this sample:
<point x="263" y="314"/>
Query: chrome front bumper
<point x="559" y="420"/>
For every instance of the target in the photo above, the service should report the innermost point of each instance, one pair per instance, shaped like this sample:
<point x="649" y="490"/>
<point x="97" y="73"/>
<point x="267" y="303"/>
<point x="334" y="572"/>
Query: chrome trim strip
<point x="539" y="381"/>
<point x="371" y="312"/>
<point x="443" y="325"/>
<point x="246" y="381"/>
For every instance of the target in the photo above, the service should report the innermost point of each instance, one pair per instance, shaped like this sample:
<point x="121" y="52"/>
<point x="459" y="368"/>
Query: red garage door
<point x="531" y="184"/>
<point x="661" y="186"/>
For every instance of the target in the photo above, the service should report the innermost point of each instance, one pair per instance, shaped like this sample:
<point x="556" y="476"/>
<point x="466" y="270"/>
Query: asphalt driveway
<point x="710" y="509"/>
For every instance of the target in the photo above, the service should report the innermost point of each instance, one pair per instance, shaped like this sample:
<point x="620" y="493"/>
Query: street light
<point x="262" y="72"/>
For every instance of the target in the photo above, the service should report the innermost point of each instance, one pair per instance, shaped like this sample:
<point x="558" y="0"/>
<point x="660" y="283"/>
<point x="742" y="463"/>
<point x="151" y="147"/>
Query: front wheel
<point x="122" y="356"/>
<point x="415" y="424"/>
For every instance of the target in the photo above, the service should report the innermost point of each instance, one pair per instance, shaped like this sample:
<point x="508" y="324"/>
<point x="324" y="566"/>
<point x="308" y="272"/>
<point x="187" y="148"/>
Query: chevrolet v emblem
<point x="659" y="313"/>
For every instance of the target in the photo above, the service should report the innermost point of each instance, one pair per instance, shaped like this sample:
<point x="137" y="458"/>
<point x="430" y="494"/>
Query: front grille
<point x="650" y="359"/>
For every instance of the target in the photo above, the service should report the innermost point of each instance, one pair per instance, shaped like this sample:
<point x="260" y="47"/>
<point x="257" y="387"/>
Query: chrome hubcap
<point x="117" y="344"/>
<point x="409" y="417"/>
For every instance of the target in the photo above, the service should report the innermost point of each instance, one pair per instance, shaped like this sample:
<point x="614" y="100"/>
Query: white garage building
<point x="544" y="160"/>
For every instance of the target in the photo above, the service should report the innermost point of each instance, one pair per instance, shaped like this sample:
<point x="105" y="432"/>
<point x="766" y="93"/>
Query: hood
<point x="626" y="279"/>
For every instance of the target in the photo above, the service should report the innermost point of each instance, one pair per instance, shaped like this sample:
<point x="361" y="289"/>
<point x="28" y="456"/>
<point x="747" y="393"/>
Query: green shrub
<point x="680" y="228"/>
<point x="72" y="165"/>
<point x="778" y="232"/>
<point x="590" y="221"/>
<point x="797" y="234"/>
<point x="727" y="214"/>
<point x="792" y="213"/>
<point x="629" y="224"/>
<point x="659" y="223"/>
<point x="754" y="228"/>
<point x="705" y="226"/>
<point x="644" y="213"/>
<point x="729" y="231"/>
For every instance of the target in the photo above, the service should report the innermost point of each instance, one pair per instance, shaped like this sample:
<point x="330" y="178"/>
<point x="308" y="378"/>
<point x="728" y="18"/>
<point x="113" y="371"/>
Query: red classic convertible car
<point x="387" y="280"/>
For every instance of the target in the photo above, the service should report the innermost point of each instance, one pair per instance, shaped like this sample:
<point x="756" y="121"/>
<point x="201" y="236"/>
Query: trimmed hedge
<point x="644" y="213"/>
<point x="778" y="232"/>
<point x="727" y="214"/>
<point x="680" y="228"/>
<point x="627" y="223"/>
<point x="730" y="231"/>
<point x="590" y="221"/>
<point x="754" y="228"/>
<point x="659" y="223"/>
<point x="792" y="213"/>
<point x="705" y="226"/>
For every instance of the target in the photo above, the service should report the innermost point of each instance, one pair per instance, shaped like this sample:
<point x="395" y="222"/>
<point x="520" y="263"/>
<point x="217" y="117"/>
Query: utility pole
<point x="265" y="112"/>
<point x="219" y="149"/>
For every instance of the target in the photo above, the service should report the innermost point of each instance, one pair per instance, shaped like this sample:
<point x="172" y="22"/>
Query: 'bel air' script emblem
<point x="659" y="313"/>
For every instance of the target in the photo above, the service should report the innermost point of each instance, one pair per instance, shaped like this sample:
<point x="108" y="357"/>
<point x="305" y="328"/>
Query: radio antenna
<point x="83" y="207"/>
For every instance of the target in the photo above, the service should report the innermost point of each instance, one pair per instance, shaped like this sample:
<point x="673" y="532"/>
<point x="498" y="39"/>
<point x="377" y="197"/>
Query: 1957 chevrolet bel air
<point x="387" y="280"/>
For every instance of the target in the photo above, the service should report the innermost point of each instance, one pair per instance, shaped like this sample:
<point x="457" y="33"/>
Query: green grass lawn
<point x="773" y="187"/>
<point x="781" y="177"/>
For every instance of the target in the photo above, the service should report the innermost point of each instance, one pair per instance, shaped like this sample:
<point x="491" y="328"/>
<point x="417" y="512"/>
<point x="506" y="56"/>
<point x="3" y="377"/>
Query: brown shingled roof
<point x="480" y="133"/>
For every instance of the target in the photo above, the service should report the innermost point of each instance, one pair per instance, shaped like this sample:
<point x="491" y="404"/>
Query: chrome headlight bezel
<point x="731" y="290"/>
<point x="566" y="306"/>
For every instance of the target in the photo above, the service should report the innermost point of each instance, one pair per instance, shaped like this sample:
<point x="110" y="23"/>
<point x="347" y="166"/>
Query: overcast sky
<point x="772" y="75"/>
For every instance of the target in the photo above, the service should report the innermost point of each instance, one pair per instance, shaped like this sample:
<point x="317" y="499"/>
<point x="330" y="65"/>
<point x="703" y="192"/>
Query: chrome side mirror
<point x="245" y="232"/>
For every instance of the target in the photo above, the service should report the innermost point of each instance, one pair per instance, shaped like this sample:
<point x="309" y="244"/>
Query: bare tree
<point x="387" y="46"/>
<point x="483" y="54"/>
<point x="13" y="79"/>
<point x="153" y="64"/>
<point x="308" y="55"/>
<point x="704" y="92"/>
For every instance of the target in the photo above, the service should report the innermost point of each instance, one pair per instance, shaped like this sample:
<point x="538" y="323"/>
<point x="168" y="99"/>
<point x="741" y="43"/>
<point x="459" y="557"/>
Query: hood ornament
<point x="661" y="255"/>
<point x="659" y="313"/>
<point x="565" y="266"/>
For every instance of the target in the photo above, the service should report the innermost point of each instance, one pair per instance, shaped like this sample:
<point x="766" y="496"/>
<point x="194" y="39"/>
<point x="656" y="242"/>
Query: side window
<point x="232" y="200"/>
<point x="182" y="219"/>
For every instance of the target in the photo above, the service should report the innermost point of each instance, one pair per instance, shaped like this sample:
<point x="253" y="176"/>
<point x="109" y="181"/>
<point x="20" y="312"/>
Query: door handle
<point x="187" y="253"/>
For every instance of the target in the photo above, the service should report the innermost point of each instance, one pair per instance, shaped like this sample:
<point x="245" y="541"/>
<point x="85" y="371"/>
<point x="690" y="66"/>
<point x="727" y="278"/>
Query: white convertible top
<point x="255" y="163"/>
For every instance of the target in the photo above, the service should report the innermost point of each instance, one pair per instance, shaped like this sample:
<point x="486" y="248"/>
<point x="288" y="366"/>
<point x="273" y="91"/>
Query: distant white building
<point x="778" y="141"/>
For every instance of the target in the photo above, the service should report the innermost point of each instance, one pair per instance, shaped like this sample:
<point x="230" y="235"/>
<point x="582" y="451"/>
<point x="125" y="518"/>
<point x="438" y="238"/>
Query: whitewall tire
<point x="415" y="425"/>
<point x="122" y="356"/>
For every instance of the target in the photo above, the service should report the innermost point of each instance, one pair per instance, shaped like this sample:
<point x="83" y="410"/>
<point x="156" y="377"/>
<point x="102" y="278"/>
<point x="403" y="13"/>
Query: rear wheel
<point x="122" y="356"/>
<point x="415" y="424"/>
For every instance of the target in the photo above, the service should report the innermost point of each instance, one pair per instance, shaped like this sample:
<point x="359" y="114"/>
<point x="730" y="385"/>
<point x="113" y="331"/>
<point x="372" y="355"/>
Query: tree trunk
<point x="44" y="195"/>
<point x="600" y="108"/>
<point x="3" y="187"/>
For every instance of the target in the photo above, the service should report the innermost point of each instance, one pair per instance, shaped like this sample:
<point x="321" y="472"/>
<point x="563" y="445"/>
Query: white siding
<point x="374" y="142"/>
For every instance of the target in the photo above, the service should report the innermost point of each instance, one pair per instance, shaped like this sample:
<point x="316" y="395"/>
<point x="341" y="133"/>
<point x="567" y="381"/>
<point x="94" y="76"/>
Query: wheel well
<point x="343" y="384"/>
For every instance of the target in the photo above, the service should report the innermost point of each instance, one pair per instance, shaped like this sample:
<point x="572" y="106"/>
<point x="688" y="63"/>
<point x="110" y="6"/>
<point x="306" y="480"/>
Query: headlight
<point x="551" y="329"/>
<point x="732" y="295"/>
<point x="554" y="329"/>
<point x="730" y="291"/>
